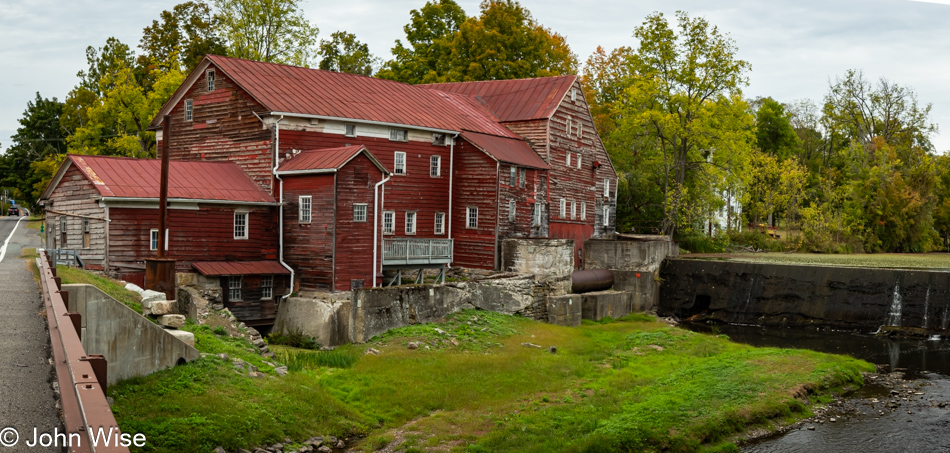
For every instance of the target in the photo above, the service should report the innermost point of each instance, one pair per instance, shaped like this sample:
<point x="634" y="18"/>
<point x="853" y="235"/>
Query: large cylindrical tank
<point x="591" y="280"/>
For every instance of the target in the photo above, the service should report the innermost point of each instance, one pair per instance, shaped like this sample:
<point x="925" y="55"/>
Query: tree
<point x="604" y="80"/>
<point x="773" y="130"/>
<point x="38" y="137"/>
<point x="684" y="101"/>
<point x="504" y="42"/>
<point x="274" y="31"/>
<point x="429" y="35"/>
<point x="344" y="53"/>
<point x="182" y="36"/>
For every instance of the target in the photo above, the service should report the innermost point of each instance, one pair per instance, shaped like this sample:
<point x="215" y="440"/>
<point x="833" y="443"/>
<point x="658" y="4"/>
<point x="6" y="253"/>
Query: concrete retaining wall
<point x="132" y="345"/>
<point x="601" y="304"/>
<point x="621" y="255"/>
<point x="565" y="310"/>
<point x="759" y="293"/>
<point x="545" y="258"/>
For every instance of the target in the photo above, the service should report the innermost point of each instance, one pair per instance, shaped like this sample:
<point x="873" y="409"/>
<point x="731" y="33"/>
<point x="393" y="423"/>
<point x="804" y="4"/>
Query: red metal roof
<point x="214" y="268"/>
<point x="192" y="180"/>
<point x="507" y="150"/>
<point x="326" y="159"/>
<point x="293" y="89"/>
<point x="515" y="100"/>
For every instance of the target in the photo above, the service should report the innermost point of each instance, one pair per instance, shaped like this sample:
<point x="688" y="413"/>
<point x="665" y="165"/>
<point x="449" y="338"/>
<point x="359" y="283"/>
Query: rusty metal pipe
<point x="591" y="280"/>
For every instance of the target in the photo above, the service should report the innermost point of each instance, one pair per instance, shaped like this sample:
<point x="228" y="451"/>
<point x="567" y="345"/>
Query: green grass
<point x="113" y="288"/>
<point x="876" y="260"/>
<point x="632" y="384"/>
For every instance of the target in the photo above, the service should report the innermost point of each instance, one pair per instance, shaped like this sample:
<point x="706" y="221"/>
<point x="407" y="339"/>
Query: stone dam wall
<point x="774" y="294"/>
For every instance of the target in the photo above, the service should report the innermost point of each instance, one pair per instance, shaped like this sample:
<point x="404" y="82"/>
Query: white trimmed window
<point x="579" y="158"/>
<point x="435" y="166"/>
<point x="305" y="208"/>
<point x="389" y="222"/>
<point x="210" y="77"/>
<point x="410" y="223"/>
<point x="583" y="210"/>
<point x="568" y="123"/>
<point x="580" y="130"/>
<point x="240" y="225"/>
<point x="349" y="130"/>
<point x="606" y="215"/>
<point x="399" y="163"/>
<point x="153" y="239"/>
<point x="536" y="218"/>
<point x="512" y="176"/>
<point x="439" y="227"/>
<point x="522" y="177"/>
<point x="471" y="218"/>
<point x="62" y="231"/>
<point x="606" y="188"/>
<point x="399" y="135"/>
<point x="359" y="212"/>
<point x="234" y="288"/>
<point x="267" y="286"/>
<point x="563" y="208"/>
<point x="511" y="210"/>
<point x="573" y="210"/>
<point x="189" y="109"/>
<point x="573" y="94"/>
<point x="568" y="161"/>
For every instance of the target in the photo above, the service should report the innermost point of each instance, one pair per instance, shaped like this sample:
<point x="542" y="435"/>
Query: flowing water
<point x="918" y="425"/>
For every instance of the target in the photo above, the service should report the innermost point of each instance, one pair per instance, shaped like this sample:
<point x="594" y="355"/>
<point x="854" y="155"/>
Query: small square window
<point x="439" y="223"/>
<point x="438" y="139"/>
<point x="359" y="212"/>
<point x="240" y="225"/>
<point x="389" y="221"/>
<point x="210" y="77"/>
<point x="512" y="215"/>
<point x="410" y="223"/>
<point x="349" y="130"/>
<point x="234" y="288"/>
<point x="435" y="166"/>
<point x="522" y="177"/>
<point x="153" y="239"/>
<point x="305" y="209"/>
<point x="399" y="135"/>
<point x="267" y="286"/>
<point x="399" y="163"/>
<point x="472" y="217"/>
<point x="189" y="110"/>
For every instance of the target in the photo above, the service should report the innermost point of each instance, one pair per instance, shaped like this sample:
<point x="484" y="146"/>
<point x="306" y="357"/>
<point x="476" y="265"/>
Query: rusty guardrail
<point x="81" y="376"/>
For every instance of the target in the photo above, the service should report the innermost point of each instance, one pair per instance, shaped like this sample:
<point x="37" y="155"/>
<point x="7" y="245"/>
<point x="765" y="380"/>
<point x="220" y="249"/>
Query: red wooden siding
<point x="308" y="247"/>
<point x="476" y="185"/>
<point x="76" y="195"/>
<point x="252" y="309"/>
<point x="206" y="234"/>
<point x="354" y="240"/>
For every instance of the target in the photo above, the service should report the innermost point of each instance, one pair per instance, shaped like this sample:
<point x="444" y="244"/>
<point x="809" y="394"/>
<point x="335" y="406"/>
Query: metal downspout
<point x="449" y="216"/>
<point x="376" y="226"/>
<point x="280" y="206"/>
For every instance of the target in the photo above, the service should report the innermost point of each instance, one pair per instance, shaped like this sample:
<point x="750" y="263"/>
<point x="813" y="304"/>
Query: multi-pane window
<point x="359" y="212"/>
<point x="410" y="223"/>
<point x="210" y="77"/>
<point x="305" y="207"/>
<point x="189" y="109"/>
<point x="267" y="286"/>
<point x="583" y="210"/>
<point x="153" y="239"/>
<point x="471" y="220"/>
<point x="349" y="130"/>
<point x="234" y="288"/>
<point x="511" y="210"/>
<point x="606" y="187"/>
<point x="398" y="135"/>
<point x="563" y="208"/>
<point x="435" y="166"/>
<point x="512" y="176"/>
<point x="399" y="163"/>
<point x="573" y="210"/>
<point x="389" y="222"/>
<point x="522" y="177"/>
<point x="240" y="225"/>
<point x="536" y="218"/>
<point x="439" y="223"/>
<point x="606" y="215"/>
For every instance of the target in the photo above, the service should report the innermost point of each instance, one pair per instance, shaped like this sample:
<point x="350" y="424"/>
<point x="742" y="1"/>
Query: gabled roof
<point x="123" y="177"/>
<point x="515" y="100"/>
<point x="506" y="150"/>
<point x="283" y="89"/>
<point x="327" y="160"/>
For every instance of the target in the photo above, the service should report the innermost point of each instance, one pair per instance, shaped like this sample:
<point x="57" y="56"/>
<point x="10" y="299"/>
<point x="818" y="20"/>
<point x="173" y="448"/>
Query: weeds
<point x="293" y="339"/>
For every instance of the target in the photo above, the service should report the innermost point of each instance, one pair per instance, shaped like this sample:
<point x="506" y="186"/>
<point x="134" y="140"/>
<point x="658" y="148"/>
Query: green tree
<point x="773" y="130"/>
<point x="39" y="137"/>
<point x="684" y="102"/>
<point x="274" y="31"/>
<point x="429" y="34"/>
<point x="605" y="78"/>
<point x="344" y="53"/>
<point x="182" y="36"/>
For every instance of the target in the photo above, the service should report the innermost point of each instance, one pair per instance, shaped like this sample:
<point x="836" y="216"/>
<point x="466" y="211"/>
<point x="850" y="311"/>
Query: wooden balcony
<point x="409" y="252"/>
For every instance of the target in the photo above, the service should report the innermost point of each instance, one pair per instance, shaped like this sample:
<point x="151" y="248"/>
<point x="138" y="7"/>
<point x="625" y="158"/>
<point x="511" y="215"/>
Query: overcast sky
<point x="794" y="47"/>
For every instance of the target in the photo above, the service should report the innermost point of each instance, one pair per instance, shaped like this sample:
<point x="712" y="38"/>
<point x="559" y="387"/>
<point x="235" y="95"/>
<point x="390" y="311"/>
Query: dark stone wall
<point x="775" y="294"/>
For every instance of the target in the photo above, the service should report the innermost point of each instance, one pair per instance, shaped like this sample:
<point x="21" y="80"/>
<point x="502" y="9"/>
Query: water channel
<point x="915" y="418"/>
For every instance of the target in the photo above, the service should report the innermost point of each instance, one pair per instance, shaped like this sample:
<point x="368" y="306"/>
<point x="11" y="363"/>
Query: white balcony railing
<point x="407" y="251"/>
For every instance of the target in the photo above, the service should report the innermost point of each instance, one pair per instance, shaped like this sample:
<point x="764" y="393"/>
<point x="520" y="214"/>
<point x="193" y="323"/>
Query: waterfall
<point x="926" y="307"/>
<point x="894" y="317"/>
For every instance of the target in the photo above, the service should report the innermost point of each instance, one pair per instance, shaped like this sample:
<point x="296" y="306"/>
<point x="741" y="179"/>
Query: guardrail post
<point x="99" y="366"/>
<point x="76" y="318"/>
<point x="59" y="283"/>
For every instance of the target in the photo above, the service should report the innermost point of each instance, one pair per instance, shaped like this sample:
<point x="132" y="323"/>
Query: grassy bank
<point x="634" y="385"/>
<point x="936" y="261"/>
<point x="70" y="275"/>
